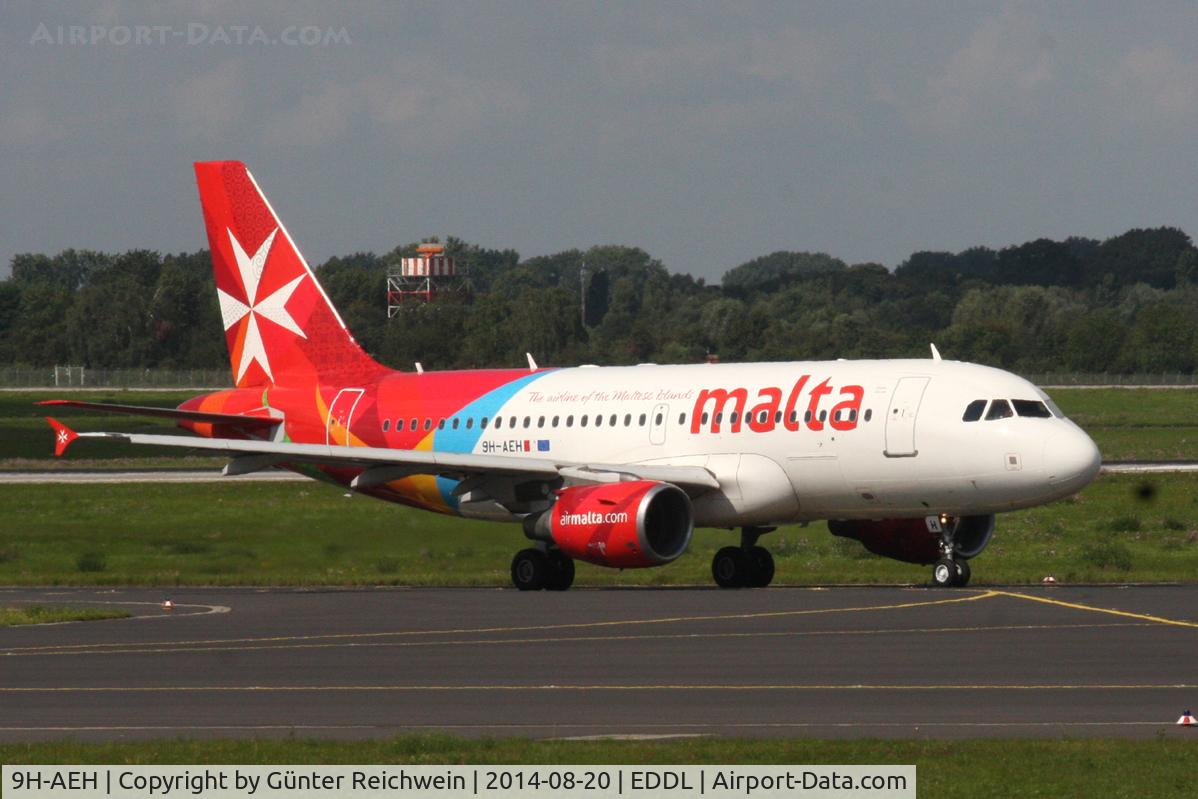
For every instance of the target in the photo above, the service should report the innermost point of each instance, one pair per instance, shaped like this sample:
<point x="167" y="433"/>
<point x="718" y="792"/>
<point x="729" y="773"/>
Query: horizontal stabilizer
<point x="248" y="422"/>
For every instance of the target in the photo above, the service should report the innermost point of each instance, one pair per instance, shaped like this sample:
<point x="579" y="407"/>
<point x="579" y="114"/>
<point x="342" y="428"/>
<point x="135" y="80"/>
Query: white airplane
<point x="615" y="466"/>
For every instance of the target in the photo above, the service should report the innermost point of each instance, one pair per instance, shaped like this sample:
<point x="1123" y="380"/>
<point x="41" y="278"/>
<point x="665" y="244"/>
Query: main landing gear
<point x="535" y="569"/>
<point x="745" y="566"/>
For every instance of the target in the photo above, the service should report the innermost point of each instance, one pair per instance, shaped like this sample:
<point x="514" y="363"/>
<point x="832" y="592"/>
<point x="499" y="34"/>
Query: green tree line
<point x="1124" y="305"/>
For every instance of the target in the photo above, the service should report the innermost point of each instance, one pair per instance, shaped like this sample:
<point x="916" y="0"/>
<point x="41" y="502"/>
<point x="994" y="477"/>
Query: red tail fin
<point x="280" y="325"/>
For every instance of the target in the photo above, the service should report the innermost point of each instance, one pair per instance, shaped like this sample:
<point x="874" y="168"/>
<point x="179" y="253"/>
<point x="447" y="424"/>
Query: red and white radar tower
<point x="428" y="276"/>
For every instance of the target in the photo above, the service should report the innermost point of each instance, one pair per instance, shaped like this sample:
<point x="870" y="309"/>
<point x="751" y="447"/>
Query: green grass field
<point x="1121" y="528"/>
<point x="41" y="614"/>
<point x="26" y="441"/>
<point x="1000" y="769"/>
<point x="1136" y="424"/>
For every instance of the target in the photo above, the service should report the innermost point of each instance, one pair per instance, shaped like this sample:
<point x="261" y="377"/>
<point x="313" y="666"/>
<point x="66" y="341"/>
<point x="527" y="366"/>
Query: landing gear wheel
<point x="529" y="569"/>
<point x="963" y="572"/>
<point x="559" y="574"/>
<point x="944" y="573"/>
<point x="761" y="572"/>
<point x="730" y="567"/>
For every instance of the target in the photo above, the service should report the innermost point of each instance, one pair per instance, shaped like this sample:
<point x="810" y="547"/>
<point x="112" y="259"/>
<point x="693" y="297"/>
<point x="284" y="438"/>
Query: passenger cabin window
<point x="428" y="423"/>
<point x="455" y="422"/>
<point x="973" y="411"/>
<point x="628" y="420"/>
<point x="642" y="420"/>
<point x="498" y="422"/>
<point x="570" y="421"/>
<point x="386" y="425"/>
<point x="613" y="420"/>
<point x="470" y="423"/>
<point x="483" y="423"/>
<point x="415" y="424"/>
<point x="598" y="420"/>
<point x="869" y="414"/>
<point x="556" y="419"/>
<point x="441" y="425"/>
<point x="681" y="419"/>
<point x="1033" y="408"/>
<point x="999" y="409"/>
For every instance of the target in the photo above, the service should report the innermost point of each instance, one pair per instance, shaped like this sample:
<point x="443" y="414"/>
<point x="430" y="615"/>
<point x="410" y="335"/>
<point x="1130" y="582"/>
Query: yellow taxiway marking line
<point x="772" y="614"/>
<point x="1093" y="609"/>
<point x="151" y="689"/>
<point x="272" y="647"/>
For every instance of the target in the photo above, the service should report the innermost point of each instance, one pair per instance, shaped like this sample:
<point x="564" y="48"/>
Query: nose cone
<point x="1071" y="459"/>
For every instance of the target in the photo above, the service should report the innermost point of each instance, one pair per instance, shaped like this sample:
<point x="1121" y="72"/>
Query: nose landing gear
<point x="951" y="570"/>
<point x="948" y="573"/>
<point x="745" y="566"/>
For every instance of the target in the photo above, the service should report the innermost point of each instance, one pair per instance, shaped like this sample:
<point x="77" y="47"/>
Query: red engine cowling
<point x="911" y="541"/>
<point x="622" y="525"/>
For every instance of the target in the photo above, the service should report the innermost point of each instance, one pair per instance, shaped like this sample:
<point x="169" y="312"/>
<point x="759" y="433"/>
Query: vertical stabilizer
<point x="280" y="326"/>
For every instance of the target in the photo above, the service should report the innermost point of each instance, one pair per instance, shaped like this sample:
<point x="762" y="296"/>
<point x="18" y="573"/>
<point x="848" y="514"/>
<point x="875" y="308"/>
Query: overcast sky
<point x="704" y="133"/>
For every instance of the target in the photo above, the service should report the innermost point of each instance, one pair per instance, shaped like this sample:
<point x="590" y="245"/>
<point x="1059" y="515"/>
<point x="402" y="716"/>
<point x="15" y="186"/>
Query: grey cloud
<point x="705" y="133"/>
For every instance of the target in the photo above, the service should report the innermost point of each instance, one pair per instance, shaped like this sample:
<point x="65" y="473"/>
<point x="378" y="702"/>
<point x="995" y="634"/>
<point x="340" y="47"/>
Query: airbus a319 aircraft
<point x="614" y="466"/>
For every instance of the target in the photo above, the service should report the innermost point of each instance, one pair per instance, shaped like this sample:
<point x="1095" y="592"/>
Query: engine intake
<point x="622" y="525"/>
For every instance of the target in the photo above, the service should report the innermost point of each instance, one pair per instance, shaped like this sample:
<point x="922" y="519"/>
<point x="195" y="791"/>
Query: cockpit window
<point x="1034" y="408"/>
<point x="973" y="411"/>
<point x="999" y="409"/>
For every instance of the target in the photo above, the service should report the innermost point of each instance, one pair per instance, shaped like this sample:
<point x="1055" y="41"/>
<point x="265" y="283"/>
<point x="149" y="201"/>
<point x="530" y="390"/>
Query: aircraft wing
<point x="383" y="465"/>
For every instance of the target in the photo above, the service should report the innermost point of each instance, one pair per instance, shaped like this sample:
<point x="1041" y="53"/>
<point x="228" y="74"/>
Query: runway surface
<point x="1073" y="661"/>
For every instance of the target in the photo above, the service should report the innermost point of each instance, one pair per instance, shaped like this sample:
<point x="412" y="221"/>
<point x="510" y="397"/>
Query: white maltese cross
<point x="273" y="307"/>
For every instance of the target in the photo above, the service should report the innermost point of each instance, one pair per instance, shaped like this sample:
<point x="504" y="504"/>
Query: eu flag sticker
<point x="542" y="445"/>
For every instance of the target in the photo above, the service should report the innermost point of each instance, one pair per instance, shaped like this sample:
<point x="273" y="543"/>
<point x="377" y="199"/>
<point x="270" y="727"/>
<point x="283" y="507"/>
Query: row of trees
<point x="1126" y="304"/>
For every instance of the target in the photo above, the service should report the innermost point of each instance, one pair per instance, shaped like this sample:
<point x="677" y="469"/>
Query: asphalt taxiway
<point x="878" y="661"/>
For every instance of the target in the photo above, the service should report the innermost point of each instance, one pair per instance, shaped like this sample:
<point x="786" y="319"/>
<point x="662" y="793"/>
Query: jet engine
<point x="622" y="525"/>
<point x="911" y="541"/>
